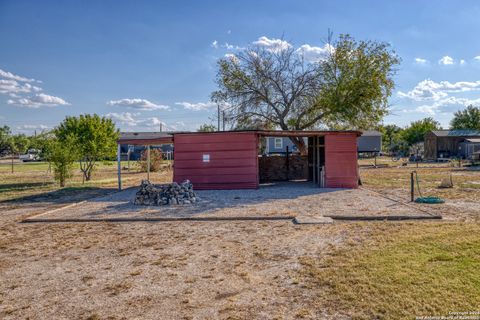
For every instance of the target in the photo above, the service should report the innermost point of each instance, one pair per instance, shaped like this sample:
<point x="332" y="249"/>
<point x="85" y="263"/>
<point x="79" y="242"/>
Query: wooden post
<point x="287" y="164"/>
<point x="314" y="161"/>
<point x="148" y="163"/>
<point x="412" y="187"/>
<point x="318" y="159"/>
<point x="119" y="168"/>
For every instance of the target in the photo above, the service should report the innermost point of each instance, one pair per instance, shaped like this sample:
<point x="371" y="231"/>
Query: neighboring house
<point x="441" y="144"/>
<point x="469" y="148"/>
<point x="370" y="141"/>
<point x="134" y="152"/>
<point x="280" y="145"/>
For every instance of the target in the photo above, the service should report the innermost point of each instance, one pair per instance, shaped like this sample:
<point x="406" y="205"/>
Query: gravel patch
<point x="280" y="199"/>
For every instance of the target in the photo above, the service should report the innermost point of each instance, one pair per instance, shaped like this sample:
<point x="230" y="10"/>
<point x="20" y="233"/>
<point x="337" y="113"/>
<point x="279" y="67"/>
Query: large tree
<point x="416" y="131"/>
<point x="469" y="118"/>
<point x="348" y="86"/>
<point x="94" y="137"/>
<point x="5" y="140"/>
<point x="391" y="137"/>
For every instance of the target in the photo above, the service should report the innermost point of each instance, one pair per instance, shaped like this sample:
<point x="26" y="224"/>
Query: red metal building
<point x="229" y="159"/>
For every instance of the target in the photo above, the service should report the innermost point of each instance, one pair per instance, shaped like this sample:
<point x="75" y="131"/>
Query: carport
<point x="146" y="139"/>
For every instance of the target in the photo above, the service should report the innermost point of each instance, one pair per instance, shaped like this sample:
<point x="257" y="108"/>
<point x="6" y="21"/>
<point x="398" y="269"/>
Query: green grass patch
<point x="400" y="272"/>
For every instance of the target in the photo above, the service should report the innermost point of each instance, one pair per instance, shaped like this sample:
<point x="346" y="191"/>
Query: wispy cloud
<point x="421" y="61"/>
<point x="446" y="60"/>
<point x="37" y="101"/>
<point x="134" y="120"/>
<point x="137" y="104"/>
<point x="431" y="90"/>
<point x="272" y="44"/>
<point x="199" y="106"/>
<point x="315" y="54"/>
<point x="32" y="127"/>
<point x="9" y="75"/>
<point x="23" y="93"/>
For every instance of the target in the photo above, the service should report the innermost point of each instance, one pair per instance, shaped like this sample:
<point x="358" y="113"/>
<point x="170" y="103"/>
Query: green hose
<point x="429" y="200"/>
<point x="426" y="200"/>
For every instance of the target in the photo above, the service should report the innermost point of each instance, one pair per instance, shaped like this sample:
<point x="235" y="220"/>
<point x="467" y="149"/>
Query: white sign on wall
<point x="206" y="158"/>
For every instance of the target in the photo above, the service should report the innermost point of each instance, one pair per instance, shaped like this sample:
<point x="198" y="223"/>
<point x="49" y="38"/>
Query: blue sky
<point x="146" y="62"/>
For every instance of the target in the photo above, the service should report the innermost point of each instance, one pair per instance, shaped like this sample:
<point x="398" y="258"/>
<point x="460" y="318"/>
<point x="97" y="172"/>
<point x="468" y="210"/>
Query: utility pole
<point x="218" y="115"/>
<point x="223" y="119"/>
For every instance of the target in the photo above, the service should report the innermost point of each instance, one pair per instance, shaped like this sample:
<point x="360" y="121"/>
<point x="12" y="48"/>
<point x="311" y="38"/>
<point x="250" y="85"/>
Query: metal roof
<point x="371" y="133"/>
<point x="473" y="140"/>
<point x="456" y="133"/>
<point x="145" y="138"/>
<point x="157" y="138"/>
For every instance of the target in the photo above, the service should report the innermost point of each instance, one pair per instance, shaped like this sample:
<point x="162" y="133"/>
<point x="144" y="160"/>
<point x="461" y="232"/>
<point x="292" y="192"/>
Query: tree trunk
<point x="300" y="144"/>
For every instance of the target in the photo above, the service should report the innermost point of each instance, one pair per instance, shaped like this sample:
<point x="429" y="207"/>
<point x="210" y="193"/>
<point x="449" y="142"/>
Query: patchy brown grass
<point x="33" y="179"/>
<point x="395" y="176"/>
<point x="399" y="271"/>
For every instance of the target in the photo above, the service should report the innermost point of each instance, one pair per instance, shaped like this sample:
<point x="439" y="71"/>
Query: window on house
<point x="278" y="143"/>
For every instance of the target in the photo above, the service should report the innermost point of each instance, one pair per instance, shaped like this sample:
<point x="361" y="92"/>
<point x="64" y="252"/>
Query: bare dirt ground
<point x="189" y="270"/>
<point x="280" y="199"/>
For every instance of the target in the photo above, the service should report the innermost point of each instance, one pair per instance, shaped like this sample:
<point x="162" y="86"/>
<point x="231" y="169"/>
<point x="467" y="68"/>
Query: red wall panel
<point x="233" y="160"/>
<point x="341" y="169"/>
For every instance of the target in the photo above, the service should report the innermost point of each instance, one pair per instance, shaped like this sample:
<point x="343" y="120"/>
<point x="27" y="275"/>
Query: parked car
<point x="31" y="155"/>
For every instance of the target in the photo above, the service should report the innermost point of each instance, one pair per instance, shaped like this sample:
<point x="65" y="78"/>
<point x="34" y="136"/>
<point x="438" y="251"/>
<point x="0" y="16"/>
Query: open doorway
<point x="316" y="160"/>
<point x="279" y="160"/>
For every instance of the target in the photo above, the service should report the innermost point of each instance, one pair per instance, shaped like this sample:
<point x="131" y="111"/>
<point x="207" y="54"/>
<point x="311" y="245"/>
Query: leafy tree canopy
<point x="467" y="119"/>
<point x="94" y="136"/>
<point x="207" y="128"/>
<point x="350" y="86"/>
<point x="417" y="130"/>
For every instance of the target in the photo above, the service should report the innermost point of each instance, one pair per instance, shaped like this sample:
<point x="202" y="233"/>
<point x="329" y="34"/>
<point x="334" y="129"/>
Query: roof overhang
<point x="301" y="133"/>
<point x="145" y="138"/>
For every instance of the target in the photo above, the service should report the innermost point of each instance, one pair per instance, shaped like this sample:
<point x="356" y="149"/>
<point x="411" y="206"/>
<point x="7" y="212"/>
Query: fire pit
<point x="165" y="194"/>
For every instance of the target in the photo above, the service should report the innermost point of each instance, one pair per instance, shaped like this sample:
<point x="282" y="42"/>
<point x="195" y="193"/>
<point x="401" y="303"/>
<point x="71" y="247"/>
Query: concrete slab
<point x="312" y="220"/>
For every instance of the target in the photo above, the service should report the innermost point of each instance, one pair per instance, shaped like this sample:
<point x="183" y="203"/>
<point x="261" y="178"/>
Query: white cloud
<point x="131" y="120"/>
<point x="431" y="90"/>
<point x="315" y="54"/>
<point x="32" y="127"/>
<point x="446" y="60"/>
<point x="421" y="61"/>
<point x="37" y="101"/>
<point x="18" y="88"/>
<point x="477" y="58"/>
<point x="463" y="62"/>
<point x="272" y="44"/>
<point x="11" y="76"/>
<point x="214" y="44"/>
<point x="13" y="87"/>
<point x="138" y="104"/>
<point x="125" y="118"/>
<point x="200" y="106"/>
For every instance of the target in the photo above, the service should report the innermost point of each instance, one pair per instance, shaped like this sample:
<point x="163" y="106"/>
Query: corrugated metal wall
<point x="341" y="169"/>
<point x="223" y="160"/>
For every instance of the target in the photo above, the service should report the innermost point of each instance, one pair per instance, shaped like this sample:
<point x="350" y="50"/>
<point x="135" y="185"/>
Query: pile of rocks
<point x="165" y="194"/>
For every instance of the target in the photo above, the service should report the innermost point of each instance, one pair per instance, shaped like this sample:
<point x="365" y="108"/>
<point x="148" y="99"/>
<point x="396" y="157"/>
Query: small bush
<point x="156" y="160"/>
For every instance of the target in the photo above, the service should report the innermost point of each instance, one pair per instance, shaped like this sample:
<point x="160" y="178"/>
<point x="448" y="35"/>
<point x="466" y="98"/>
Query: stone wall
<point x="279" y="168"/>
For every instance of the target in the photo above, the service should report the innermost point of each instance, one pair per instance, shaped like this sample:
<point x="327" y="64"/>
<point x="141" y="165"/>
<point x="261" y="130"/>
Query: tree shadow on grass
<point x="60" y="196"/>
<point x="7" y="187"/>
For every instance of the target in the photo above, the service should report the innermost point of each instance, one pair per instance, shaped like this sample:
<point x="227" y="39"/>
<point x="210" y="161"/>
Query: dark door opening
<point x="316" y="160"/>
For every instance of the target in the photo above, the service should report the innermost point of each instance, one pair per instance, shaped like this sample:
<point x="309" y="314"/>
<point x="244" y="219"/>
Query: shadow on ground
<point x="60" y="196"/>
